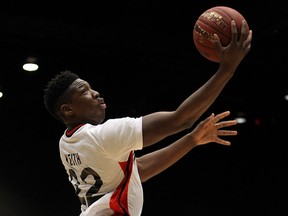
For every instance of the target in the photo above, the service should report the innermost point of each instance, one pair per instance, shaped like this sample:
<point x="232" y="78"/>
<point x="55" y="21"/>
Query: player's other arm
<point x="206" y="131"/>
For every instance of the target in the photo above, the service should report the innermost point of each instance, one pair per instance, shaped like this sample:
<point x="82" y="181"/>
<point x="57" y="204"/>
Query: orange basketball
<point x="216" y="20"/>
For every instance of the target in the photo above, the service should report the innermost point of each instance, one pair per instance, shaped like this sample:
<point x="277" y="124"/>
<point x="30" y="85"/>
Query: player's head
<point x="72" y="100"/>
<point x="54" y="92"/>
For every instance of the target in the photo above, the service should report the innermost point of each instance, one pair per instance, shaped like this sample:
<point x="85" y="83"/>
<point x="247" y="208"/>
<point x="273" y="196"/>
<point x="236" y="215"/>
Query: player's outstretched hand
<point x="239" y="46"/>
<point x="210" y="129"/>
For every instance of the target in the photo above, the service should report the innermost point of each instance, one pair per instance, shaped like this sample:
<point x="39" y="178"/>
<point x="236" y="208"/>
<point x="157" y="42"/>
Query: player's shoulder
<point x="123" y="120"/>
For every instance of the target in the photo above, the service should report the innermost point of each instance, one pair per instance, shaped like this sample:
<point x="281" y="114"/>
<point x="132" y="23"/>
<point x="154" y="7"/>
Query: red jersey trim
<point x="119" y="199"/>
<point x="69" y="133"/>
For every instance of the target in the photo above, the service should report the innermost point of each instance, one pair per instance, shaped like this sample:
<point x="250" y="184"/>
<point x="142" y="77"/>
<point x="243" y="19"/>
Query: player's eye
<point x="84" y="90"/>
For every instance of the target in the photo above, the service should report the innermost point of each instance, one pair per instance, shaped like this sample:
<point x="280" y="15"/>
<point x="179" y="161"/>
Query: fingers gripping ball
<point x="216" y="20"/>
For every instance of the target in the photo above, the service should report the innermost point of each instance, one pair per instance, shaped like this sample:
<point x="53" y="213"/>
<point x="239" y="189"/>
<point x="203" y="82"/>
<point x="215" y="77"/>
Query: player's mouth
<point x="102" y="106"/>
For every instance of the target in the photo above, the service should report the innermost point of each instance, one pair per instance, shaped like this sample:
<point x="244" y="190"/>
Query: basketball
<point x="216" y="20"/>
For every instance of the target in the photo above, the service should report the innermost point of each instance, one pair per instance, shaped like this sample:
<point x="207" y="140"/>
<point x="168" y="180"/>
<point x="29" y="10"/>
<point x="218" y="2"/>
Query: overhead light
<point x="31" y="64"/>
<point x="241" y="118"/>
<point x="286" y="96"/>
<point x="1" y="92"/>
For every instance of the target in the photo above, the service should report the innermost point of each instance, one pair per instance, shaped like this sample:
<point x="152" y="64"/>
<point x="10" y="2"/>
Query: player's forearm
<point x="155" y="162"/>
<point x="163" y="124"/>
<point x="198" y="103"/>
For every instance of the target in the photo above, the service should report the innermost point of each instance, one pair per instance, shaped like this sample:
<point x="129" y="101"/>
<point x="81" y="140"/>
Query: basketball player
<point x="99" y="156"/>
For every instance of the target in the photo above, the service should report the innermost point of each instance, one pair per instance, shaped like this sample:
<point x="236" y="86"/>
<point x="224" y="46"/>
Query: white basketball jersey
<point x="100" y="162"/>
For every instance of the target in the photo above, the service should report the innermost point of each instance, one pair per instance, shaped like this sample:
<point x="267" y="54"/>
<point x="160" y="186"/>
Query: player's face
<point x="86" y="104"/>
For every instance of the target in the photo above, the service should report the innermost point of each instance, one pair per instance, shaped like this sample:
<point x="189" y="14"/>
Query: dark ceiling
<point x="140" y="56"/>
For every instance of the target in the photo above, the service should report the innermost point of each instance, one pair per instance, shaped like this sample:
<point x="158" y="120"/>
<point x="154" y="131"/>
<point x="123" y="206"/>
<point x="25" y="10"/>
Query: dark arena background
<point x="140" y="56"/>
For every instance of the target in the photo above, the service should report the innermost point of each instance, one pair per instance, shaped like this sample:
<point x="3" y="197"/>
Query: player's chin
<point x="101" y="118"/>
<point x="97" y="119"/>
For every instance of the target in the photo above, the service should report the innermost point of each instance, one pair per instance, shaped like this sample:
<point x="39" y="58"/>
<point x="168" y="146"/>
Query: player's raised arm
<point x="157" y="126"/>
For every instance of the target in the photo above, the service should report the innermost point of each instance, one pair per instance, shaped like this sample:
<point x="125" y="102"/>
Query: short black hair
<point x="55" y="88"/>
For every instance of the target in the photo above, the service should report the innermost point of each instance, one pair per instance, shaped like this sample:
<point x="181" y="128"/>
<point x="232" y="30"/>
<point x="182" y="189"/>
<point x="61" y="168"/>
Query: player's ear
<point x="66" y="110"/>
